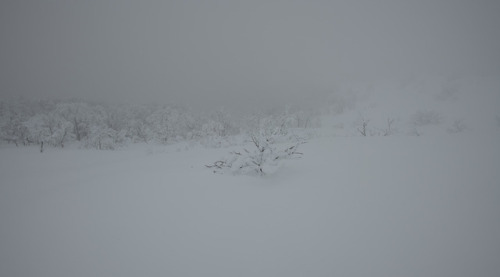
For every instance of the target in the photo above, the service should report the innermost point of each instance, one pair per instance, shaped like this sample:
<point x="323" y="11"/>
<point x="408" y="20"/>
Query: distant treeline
<point x="100" y="126"/>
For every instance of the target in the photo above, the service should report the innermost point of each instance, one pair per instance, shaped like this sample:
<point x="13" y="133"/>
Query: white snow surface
<point x="352" y="206"/>
<point x="397" y="205"/>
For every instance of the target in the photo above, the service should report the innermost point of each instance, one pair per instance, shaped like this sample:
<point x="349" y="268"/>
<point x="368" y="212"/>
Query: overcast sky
<point x="233" y="53"/>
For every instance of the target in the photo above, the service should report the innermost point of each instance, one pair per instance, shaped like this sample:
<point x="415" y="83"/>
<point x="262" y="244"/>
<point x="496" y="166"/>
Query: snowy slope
<point x="358" y="206"/>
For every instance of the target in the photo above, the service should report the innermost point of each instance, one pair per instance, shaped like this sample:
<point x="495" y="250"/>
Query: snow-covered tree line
<point x="98" y="126"/>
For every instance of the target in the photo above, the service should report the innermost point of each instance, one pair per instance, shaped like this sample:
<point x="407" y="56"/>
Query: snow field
<point x="358" y="206"/>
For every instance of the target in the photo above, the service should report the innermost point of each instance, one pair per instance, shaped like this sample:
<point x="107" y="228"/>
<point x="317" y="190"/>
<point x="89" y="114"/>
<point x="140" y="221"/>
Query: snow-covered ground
<point x="420" y="200"/>
<point x="352" y="206"/>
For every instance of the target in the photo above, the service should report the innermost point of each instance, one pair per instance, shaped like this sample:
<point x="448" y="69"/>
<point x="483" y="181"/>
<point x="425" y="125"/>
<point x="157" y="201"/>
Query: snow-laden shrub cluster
<point x="263" y="156"/>
<point x="105" y="138"/>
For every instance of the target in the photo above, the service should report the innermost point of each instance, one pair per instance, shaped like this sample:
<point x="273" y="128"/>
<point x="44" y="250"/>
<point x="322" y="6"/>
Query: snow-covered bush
<point x="104" y="138"/>
<point x="217" y="130"/>
<point x="12" y="118"/>
<point x="220" y="124"/>
<point x="162" y="124"/>
<point x="264" y="156"/>
<point x="13" y="130"/>
<point x="170" y="124"/>
<point x="37" y="130"/>
<point x="81" y="116"/>
<point x="389" y="130"/>
<point x="277" y="126"/>
<point x="47" y="128"/>
<point x="61" y="134"/>
<point x="137" y="131"/>
<point x="59" y="129"/>
<point x="363" y="125"/>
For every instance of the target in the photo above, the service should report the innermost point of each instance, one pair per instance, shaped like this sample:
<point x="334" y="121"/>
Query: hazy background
<point x="234" y="53"/>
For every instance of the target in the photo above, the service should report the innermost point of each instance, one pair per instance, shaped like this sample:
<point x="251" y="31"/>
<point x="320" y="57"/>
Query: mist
<point x="235" y="54"/>
<point x="249" y="138"/>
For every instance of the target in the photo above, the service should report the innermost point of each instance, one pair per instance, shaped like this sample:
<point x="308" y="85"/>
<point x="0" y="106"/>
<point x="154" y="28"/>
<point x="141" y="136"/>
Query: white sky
<point x="234" y="53"/>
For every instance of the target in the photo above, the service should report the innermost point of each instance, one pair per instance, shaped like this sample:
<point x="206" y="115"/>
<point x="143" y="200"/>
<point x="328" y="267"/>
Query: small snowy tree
<point x="219" y="124"/>
<point x="59" y="129"/>
<point x="263" y="157"/>
<point x="217" y="130"/>
<point x="364" y="124"/>
<point x="37" y="131"/>
<point x="389" y="130"/>
<point x="168" y="124"/>
<point x="276" y="125"/>
<point x="13" y="130"/>
<point x="137" y="130"/>
<point x="80" y="115"/>
<point x="101" y="138"/>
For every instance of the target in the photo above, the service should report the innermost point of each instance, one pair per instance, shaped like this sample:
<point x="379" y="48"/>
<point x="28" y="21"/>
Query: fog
<point x="235" y="54"/>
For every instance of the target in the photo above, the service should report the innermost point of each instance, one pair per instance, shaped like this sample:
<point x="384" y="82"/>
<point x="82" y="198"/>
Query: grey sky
<point x="225" y="53"/>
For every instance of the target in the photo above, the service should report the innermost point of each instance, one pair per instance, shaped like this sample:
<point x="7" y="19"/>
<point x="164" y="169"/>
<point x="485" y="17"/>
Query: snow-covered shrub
<point x="50" y="129"/>
<point x="137" y="131"/>
<point x="277" y="126"/>
<point x="363" y="124"/>
<point x="263" y="157"/>
<point x="220" y="124"/>
<point x="12" y="128"/>
<point x="218" y="129"/>
<point x="171" y="124"/>
<point x="104" y="138"/>
<point x="59" y="129"/>
<point x="37" y="130"/>
<point x="80" y="114"/>
<point x="389" y="130"/>
<point x="163" y="124"/>
<point x="60" y="134"/>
